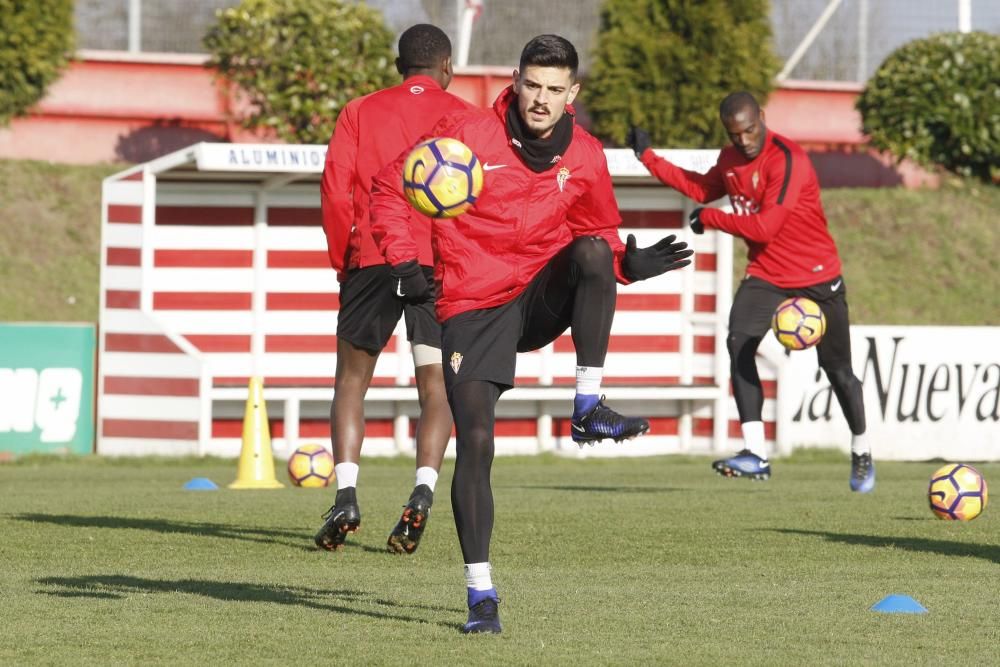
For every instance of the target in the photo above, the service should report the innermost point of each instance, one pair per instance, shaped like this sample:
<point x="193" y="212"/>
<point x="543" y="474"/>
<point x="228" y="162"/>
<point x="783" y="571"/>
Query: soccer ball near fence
<point x="442" y="177"/>
<point x="798" y="323"/>
<point x="957" y="492"/>
<point x="311" y="466"/>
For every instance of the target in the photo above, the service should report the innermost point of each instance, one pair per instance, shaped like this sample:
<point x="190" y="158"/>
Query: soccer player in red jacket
<point x="776" y="204"/>
<point x="371" y="131"/>
<point x="538" y="253"/>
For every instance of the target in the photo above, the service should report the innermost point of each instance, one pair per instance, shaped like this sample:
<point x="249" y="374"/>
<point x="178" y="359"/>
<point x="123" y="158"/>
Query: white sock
<point x="753" y="438"/>
<point x="860" y="444"/>
<point x="477" y="576"/>
<point x="588" y="380"/>
<point x="427" y="475"/>
<point x="347" y="475"/>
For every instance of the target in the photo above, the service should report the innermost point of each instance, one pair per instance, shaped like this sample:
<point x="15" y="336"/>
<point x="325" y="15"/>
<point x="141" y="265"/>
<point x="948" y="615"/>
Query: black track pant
<point x="576" y="289"/>
<point x="749" y="322"/>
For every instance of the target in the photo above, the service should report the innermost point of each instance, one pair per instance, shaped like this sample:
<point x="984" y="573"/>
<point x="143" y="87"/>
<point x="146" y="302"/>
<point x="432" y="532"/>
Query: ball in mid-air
<point x="442" y="177"/>
<point x="798" y="323"/>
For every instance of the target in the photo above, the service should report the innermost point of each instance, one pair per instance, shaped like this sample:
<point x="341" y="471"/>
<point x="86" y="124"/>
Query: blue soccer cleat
<point x="744" y="464"/>
<point x="862" y="473"/>
<point x="602" y="422"/>
<point x="484" y="617"/>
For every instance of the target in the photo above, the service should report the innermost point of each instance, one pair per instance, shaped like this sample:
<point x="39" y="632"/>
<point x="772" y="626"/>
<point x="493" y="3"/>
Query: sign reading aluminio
<point x="930" y="392"/>
<point x="47" y="388"/>
<point x="283" y="158"/>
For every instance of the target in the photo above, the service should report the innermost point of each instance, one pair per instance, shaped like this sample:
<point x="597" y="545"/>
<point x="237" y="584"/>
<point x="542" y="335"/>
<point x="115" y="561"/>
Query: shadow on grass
<point x="200" y="529"/>
<point x="923" y="545"/>
<point x="589" y="488"/>
<point x="338" y="601"/>
<point x="288" y="538"/>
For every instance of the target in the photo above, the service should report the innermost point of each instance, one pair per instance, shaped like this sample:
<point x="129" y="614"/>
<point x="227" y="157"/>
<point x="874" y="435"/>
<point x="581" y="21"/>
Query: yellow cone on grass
<point x="256" y="467"/>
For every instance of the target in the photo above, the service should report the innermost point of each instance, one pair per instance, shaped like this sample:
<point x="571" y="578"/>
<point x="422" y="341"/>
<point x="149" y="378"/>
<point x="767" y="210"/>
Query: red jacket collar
<point x="421" y="80"/>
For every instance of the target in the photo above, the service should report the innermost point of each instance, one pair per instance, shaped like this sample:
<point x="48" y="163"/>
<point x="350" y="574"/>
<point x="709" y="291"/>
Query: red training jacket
<point x="488" y="255"/>
<point x="777" y="209"/>
<point x="371" y="131"/>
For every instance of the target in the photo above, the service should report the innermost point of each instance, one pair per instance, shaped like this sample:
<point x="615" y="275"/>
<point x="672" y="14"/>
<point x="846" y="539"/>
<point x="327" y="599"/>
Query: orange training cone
<point x="256" y="468"/>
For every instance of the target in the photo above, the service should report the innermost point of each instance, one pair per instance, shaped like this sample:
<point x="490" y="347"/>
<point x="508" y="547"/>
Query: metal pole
<point x="466" y="15"/>
<point x="965" y="15"/>
<point x="135" y="26"/>
<point x="862" y="40"/>
<point x="807" y="41"/>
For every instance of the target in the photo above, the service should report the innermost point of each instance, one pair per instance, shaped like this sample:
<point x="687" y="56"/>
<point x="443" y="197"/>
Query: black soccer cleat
<point x="744" y="464"/>
<point x="343" y="518"/>
<point x="603" y="422"/>
<point x="484" y="617"/>
<point x="405" y="537"/>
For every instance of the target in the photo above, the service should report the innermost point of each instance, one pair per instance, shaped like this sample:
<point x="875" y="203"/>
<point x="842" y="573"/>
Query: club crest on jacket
<point x="562" y="177"/>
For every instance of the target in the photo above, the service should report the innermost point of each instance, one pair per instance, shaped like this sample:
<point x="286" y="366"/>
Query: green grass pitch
<point x="626" y="561"/>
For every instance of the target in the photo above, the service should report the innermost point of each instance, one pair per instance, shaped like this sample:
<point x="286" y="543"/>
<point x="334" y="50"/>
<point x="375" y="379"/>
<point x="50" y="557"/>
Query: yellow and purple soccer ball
<point x="798" y="323"/>
<point x="957" y="492"/>
<point x="311" y="466"/>
<point x="442" y="177"/>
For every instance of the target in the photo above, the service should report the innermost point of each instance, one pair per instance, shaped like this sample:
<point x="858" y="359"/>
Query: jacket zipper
<point x="520" y="228"/>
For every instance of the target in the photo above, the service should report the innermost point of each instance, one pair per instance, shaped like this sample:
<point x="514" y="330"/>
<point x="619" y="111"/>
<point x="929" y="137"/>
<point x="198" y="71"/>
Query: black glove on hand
<point x="408" y="281"/>
<point x="638" y="140"/>
<point x="697" y="226"/>
<point x="662" y="256"/>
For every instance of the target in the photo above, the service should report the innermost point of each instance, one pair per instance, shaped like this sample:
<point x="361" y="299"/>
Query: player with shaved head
<point x="371" y="131"/>
<point x="776" y="209"/>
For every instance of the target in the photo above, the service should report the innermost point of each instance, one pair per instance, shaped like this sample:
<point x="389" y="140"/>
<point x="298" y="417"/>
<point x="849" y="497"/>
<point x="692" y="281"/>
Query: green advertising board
<point x="47" y="388"/>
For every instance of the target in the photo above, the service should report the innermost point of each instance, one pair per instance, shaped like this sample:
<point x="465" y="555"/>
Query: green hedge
<point x="298" y="62"/>
<point x="937" y="101"/>
<point x="666" y="64"/>
<point x="36" y="41"/>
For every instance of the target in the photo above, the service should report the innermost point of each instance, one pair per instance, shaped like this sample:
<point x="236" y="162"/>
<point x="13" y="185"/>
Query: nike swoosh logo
<point x="834" y="287"/>
<point x="491" y="167"/>
<point x="399" y="289"/>
<point x="578" y="429"/>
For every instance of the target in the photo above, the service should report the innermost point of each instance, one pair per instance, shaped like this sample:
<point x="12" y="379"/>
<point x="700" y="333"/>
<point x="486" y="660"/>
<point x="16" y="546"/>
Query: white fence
<point x="214" y="269"/>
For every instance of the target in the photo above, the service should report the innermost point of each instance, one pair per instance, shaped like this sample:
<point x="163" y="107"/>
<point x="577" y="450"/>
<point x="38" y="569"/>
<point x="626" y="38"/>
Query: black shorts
<point x="756" y="300"/>
<point x="483" y="344"/>
<point x="370" y="309"/>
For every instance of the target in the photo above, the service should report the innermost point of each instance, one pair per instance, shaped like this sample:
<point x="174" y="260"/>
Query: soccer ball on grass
<point x="311" y="466"/>
<point x="442" y="177"/>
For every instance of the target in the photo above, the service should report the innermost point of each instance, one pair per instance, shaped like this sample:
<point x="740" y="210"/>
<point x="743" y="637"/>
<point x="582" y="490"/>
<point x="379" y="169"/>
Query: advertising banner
<point x="47" y="388"/>
<point x="930" y="392"/>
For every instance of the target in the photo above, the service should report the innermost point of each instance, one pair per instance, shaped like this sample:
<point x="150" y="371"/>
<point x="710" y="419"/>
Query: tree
<point x="666" y="64"/>
<point x="937" y="101"/>
<point x="298" y="62"/>
<point x="36" y="42"/>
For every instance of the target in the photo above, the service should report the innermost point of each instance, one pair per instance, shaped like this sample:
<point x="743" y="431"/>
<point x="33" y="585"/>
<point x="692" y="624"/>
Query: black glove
<point x="697" y="226"/>
<point x="662" y="256"/>
<point x="408" y="281"/>
<point x="638" y="140"/>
